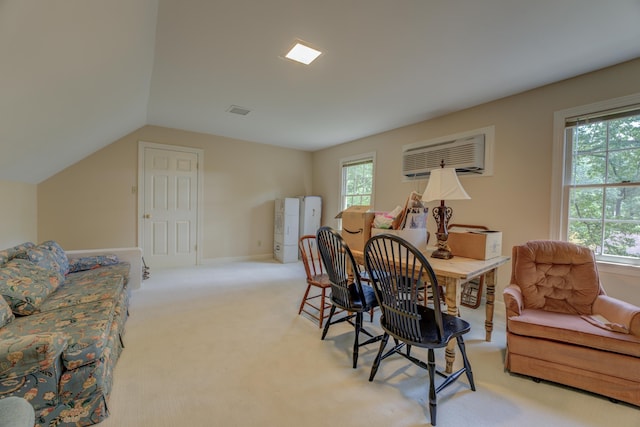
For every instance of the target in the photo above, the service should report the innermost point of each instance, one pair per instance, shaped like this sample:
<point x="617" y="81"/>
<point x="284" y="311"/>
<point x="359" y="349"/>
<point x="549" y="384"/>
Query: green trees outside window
<point x="604" y="187"/>
<point x="357" y="183"/>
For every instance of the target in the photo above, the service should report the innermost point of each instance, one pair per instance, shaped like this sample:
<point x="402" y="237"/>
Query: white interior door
<point x="169" y="211"/>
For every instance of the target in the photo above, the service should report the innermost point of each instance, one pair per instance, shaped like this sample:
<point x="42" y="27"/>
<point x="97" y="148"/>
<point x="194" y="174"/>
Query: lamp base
<point x="443" y="251"/>
<point x="442" y="254"/>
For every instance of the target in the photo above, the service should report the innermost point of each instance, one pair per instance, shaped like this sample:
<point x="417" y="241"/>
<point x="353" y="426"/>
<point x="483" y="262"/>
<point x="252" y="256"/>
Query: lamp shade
<point x="444" y="185"/>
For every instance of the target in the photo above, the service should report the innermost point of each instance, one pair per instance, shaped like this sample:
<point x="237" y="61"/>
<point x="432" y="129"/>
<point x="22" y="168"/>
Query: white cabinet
<point x="310" y="211"/>
<point x="286" y="225"/>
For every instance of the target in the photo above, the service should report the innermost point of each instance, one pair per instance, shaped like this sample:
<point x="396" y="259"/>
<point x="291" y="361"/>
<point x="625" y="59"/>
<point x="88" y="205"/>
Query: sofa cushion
<point x="49" y="255"/>
<point x="70" y="293"/>
<point x="571" y="329"/>
<point x="86" y="328"/>
<point x="91" y="262"/>
<point x="29" y="353"/>
<point x="25" y="285"/>
<point x="556" y="276"/>
<point x="6" y="315"/>
<point x="19" y="251"/>
<point x="86" y="277"/>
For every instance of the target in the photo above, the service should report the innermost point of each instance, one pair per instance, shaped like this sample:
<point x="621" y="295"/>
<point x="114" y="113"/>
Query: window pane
<point x="623" y="203"/>
<point x="589" y="154"/>
<point x="585" y="217"/>
<point x="624" y="133"/>
<point x="357" y="183"/>
<point x="586" y="233"/>
<point x="603" y="206"/>
<point x="624" y="166"/>
<point x="622" y="239"/>
<point x="585" y="203"/>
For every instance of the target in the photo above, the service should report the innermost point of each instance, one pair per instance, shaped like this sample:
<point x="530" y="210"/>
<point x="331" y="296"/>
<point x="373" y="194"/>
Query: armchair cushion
<point x="572" y="329"/>
<point x="556" y="276"/>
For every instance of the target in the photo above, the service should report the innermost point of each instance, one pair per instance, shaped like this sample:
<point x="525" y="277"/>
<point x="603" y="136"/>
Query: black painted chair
<point x="348" y="293"/>
<point x="401" y="272"/>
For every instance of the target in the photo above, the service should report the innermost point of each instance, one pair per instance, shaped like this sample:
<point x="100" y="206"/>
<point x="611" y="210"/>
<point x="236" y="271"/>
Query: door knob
<point x="147" y="216"/>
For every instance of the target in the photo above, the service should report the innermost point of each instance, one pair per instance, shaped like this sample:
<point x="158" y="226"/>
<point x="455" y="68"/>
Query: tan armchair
<point x="562" y="327"/>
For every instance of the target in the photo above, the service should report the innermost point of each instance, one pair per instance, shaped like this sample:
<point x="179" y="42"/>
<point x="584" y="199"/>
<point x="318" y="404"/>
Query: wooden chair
<point x="400" y="271"/>
<point x="314" y="303"/>
<point x="348" y="293"/>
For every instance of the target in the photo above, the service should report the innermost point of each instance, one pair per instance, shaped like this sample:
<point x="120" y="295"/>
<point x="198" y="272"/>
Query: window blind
<point x="601" y="116"/>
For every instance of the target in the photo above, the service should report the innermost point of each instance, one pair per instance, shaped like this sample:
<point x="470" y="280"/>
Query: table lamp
<point x="443" y="185"/>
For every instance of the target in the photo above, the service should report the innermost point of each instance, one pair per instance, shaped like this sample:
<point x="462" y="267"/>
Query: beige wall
<point x="18" y="213"/>
<point x="516" y="199"/>
<point x="91" y="204"/>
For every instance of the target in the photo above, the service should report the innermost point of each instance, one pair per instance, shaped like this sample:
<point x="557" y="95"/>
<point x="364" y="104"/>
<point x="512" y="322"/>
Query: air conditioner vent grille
<point x="466" y="155"/>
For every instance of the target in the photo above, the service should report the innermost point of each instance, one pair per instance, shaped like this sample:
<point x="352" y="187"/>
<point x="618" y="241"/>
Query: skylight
<point x="303" y="53"/>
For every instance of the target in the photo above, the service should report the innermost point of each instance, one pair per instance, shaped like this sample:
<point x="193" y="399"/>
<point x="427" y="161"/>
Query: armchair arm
<point x="513" y="300"/>
<point x="620" y="312"/>
<point x="30" y="353"/>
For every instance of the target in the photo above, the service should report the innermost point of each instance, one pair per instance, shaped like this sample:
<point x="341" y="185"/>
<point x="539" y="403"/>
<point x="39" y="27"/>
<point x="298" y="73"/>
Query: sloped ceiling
<point x="76" y="75"/>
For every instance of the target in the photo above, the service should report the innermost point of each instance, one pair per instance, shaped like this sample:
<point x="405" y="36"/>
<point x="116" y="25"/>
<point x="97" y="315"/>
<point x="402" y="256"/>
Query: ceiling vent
<point x="464" y="154"/>
<point x="234" y="109"/>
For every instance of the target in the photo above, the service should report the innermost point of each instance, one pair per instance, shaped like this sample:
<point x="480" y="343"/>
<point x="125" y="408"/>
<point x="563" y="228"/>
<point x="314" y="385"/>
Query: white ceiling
<point x="77" y="75"/>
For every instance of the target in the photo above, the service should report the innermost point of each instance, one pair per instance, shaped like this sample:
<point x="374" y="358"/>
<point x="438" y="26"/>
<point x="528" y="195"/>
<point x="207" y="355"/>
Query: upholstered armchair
<point x="562" y="327"/>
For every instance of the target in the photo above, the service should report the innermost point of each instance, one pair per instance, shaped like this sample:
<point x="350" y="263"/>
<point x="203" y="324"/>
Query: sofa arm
<point x="30" y="353"/>
<point x="513" y="301"/>
<point x="618" y="311"/>
<point x="131" y="255"/>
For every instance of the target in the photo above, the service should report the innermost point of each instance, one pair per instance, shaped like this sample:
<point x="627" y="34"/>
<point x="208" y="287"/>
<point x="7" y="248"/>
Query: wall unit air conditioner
<point x="467" y="155"/>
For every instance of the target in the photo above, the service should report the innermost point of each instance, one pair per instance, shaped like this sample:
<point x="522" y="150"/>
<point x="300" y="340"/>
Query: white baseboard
<point x="262" y="257"/>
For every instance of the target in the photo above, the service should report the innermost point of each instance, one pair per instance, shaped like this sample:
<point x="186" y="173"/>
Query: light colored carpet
<point x="222" y="345"/>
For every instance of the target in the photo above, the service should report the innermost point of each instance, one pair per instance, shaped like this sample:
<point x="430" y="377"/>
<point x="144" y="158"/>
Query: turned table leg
<point x="490" y="283"/>
<point x="452" y="298"/>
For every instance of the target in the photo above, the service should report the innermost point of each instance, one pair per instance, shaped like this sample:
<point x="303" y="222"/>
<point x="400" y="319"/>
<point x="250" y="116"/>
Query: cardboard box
<point x="356" y="226"/>
<point x="477" y="244"/>
<point x="416" y="236"/>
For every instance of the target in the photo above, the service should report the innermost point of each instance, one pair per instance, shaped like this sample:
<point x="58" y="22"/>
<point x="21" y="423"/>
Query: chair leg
<point x="322" y="302"/>
<point x="431" y="365"/>
<point x="376" y="362"/>
<point x="304" y="298"/>
<point x="326" y="325"/>
<point x="356" y="344"/>
<point x="465" y="361"/>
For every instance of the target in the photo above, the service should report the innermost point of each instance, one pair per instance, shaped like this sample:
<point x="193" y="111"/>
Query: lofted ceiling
<point x="76" y="75"/>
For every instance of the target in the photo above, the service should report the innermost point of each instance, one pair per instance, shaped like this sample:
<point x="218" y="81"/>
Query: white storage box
<point x="416" y="236"/>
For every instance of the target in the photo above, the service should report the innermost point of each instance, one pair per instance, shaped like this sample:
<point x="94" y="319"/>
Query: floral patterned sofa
<point x="62" y="319"/>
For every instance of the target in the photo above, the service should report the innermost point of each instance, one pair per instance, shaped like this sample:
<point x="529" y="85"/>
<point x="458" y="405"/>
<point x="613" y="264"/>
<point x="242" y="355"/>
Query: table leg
<point x="490" y="283"/>
<point x="452" y="298"/>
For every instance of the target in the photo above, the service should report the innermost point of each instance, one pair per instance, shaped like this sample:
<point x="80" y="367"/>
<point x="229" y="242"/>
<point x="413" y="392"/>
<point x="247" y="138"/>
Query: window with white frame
<point x="357" y="181"/>
<point x="601" y="183"/>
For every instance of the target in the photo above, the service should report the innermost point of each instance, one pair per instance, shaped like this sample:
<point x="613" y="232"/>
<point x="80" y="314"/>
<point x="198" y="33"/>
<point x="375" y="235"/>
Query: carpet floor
<point x="223" y="345"/>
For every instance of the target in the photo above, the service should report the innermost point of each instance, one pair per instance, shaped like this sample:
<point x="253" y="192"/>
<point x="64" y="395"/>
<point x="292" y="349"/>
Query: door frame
<point x="142" y="145"/>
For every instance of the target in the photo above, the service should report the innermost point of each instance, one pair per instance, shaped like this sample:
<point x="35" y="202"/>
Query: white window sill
<point x="621" y="269"/>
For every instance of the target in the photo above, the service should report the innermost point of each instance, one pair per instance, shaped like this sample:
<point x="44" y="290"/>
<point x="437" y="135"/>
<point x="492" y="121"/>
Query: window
<point x="357" y="181"/>
<point x="601" y="183"/>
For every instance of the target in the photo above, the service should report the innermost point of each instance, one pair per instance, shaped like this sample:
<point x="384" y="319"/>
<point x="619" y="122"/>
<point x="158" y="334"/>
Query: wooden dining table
<point x="452" y="274"/>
